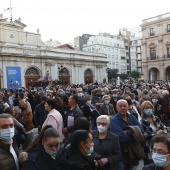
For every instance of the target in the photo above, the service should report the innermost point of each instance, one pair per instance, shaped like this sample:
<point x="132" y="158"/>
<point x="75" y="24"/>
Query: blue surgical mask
<point x="90" y="151"/>
<point x="154" y="101"/>
<point x="7" y="134"/>
<point x="61" y="93"/>
<point x="133" y="101"/>
<point x="80" y="94"/>
<point x="115" y="95"/>
<point x="160" y="160"/>
<point x="106" y="102"/>
<point x="148" y="112"/>
<point x="103" y="93"/>
<point x="52" y="153"/>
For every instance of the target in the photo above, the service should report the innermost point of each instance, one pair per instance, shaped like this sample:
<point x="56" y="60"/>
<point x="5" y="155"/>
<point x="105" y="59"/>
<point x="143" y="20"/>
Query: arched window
<point x="88" y="72"/>
<point x="32" y="71"/>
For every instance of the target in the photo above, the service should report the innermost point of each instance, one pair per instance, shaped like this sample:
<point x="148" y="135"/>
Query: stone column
<point x="162" y="71"/>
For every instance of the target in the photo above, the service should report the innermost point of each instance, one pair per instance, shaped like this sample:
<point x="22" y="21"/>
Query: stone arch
<point x="64" y="76"/>
<point x="88" y="76"/>
<point x="32" y="74"/>
<point x="152" y="45"/>
<point x="167" y="73"/>
<point x="154" y="74"/>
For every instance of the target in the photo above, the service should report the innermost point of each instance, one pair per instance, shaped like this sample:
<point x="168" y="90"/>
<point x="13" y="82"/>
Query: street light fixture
<point x="61" y="70"/>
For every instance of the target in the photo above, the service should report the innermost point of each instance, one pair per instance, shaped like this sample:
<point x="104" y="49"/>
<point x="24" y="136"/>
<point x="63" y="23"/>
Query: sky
<point x="62" y="20"/>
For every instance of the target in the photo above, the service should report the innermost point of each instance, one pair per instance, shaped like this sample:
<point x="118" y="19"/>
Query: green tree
<point x="135" y="74"/>
<point x="112" y="73"/>
<point x="123" y="76"/>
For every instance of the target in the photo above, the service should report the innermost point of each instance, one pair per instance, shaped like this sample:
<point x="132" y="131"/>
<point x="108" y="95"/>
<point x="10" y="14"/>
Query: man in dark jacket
<point x="8" y="148"/>
<point x="72" y="114"/>
<point x="160" y="153"/>
<point x="40" y="113"/>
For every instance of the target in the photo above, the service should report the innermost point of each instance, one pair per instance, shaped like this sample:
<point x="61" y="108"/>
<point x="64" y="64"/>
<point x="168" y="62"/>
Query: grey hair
<point x="5" y="116"/>
<point x="165" y="93"/>
<point x="104" y="117"/>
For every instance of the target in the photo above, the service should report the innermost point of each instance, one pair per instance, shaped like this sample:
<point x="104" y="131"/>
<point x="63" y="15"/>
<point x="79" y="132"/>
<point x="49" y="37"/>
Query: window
<point x="118" y="45"/>
<point x="122" y="51"/>
<point x="127" y="60"/>
<point x="153" y="53"/>
<point x="108" y="49"/>
<point x="152" y="32"/>
<point x="123" y="58"/>
<point x="126" y="47"/>
<point x="105" y="42"/>
<point x="168" y="52"/>
<point x="168" y="28"/>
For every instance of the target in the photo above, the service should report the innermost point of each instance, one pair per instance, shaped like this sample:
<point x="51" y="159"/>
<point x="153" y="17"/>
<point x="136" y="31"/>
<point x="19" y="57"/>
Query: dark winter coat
<point x="6" y="158"/>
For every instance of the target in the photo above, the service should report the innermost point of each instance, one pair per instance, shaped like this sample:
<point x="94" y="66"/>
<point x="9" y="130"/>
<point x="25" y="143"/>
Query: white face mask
<point x="101" y="129"/>
<point x="89" y="102"/>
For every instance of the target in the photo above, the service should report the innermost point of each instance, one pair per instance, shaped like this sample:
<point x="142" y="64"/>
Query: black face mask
<point x="22" y="108"/>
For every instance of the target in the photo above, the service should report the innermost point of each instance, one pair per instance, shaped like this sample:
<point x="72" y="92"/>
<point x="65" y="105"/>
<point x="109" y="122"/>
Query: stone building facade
<point x="33" y="58"/>
<point x="156" y="47"/>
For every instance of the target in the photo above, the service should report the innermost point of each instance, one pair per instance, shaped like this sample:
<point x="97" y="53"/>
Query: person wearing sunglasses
<point x="106" y="145"/>
<point x="160" y="153"/>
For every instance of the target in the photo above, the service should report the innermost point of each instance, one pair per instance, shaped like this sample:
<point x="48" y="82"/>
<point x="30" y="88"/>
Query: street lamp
<point x="61" y="70"/>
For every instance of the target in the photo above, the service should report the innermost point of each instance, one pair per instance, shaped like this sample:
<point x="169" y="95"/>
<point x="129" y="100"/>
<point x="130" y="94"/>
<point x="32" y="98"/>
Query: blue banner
<point x="13" y="77"/>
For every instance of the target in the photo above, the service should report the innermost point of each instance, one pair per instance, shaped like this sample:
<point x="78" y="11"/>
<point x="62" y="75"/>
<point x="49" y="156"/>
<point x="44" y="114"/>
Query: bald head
<point x="121" y="101"/>
<point x="122" y="106"/>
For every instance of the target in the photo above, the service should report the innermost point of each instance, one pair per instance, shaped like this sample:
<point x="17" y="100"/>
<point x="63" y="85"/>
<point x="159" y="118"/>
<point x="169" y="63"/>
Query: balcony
<point x="153" y="57"/>
<point x="151" y="34"/>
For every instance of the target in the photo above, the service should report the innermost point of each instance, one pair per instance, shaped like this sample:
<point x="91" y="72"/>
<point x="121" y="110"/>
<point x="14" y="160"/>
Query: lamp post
<point x="61" y="70"/>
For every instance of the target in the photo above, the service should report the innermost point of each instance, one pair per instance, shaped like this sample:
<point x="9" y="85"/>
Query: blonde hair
<point x="105" y="97"/>
<point x="143" y="107"/>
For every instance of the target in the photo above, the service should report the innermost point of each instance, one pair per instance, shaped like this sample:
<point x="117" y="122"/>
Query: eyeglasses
<point x="101" y="123"/>
<point x="158" y="152"/>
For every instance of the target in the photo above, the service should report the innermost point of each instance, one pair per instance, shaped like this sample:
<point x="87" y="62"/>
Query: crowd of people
<point x="86" y="127"/>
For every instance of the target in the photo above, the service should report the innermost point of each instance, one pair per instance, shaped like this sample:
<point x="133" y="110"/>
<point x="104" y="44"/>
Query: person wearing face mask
<point x="25" y="117"/>
<point x="160" y="153"/>
<point x="114" y="98"/>
<point x="80" y="95"/>
<point x="106" y="108"/>
<point x="88" y="108"/>
<point x="152" y="126"/>
<point x="157" y="108"/>
<point x="45" y="152"/>
<point x="8" y="149"/>
<point x="81" y="149"/>
<point x="106" y="145"/>
<point x="96" y="99"/>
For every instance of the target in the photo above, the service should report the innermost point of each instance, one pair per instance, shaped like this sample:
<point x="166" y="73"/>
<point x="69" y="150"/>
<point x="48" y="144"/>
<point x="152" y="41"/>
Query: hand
<point x="64" y="130"/>
<point x="125" y="132"/>
<point x="19" y="111"/>
<point x="96" y="163"/>
<point x="159" y="132"/>
<point x="102" y="162"/>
